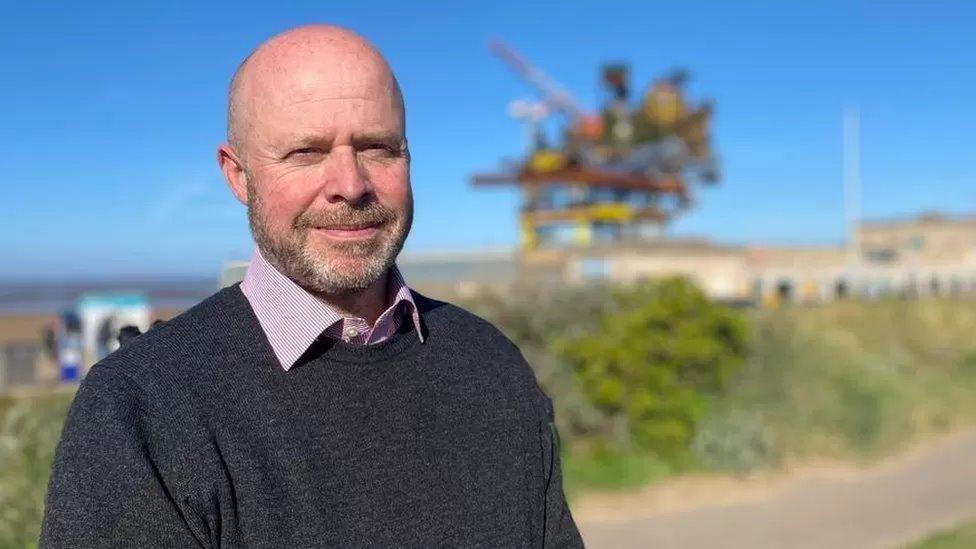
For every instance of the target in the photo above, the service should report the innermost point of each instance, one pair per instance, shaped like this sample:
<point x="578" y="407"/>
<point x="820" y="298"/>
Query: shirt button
<point x="351" y="332"/>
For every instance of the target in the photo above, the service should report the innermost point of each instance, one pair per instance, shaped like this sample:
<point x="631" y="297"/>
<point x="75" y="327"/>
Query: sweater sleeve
<point x="560" y="529"/>
<point x="105" y="490"/>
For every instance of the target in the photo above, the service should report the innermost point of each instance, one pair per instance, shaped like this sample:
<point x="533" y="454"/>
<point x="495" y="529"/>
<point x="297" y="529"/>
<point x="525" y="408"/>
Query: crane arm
<point x="551" y="92"/>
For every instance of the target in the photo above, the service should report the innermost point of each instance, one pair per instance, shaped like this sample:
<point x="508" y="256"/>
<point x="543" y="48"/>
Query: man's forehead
<point x="296" y="80"/>
<point x="285" y="86"/>
<point x="317" y="109"/>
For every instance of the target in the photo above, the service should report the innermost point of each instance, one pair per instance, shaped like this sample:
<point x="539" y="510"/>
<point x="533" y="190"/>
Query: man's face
<point x="328" y="184"/>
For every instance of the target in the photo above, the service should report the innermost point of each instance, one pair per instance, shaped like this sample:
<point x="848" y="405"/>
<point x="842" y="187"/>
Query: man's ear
<point x="233" y="169"/>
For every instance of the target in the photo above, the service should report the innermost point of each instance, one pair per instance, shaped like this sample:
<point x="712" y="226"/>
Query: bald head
<point x="292" y="63"/>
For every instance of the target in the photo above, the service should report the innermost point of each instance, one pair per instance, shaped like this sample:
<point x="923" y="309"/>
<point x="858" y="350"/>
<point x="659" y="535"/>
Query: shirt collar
<point x="292" y="318"/>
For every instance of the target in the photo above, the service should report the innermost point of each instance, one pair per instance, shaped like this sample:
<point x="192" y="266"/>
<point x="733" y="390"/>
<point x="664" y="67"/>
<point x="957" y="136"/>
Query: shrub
<point x="656" y="355"/>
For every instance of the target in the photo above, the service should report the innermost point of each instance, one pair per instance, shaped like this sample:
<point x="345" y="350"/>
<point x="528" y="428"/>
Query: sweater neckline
<point x="404" y="343"/>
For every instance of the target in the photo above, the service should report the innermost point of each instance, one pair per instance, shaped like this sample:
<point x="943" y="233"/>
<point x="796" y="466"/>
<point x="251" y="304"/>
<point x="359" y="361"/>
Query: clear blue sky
<point x="110" y="112"/>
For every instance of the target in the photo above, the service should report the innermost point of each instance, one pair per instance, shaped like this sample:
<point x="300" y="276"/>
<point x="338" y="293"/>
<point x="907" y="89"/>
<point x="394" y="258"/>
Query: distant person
<point x="49" y="338"/>
<point x="62" y="344"/>
<point x="320" y="402"/>
<point x="104" y="337"/>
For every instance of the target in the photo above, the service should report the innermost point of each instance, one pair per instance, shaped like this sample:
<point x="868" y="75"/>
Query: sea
<point x="52" y="297"/>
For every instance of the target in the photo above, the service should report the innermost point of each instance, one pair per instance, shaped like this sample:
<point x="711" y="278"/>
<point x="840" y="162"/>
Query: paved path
<point x="884" y="508"/>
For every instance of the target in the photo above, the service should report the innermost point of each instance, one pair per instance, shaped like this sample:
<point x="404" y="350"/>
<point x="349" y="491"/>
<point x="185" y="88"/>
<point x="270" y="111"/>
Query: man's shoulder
<point x="184" y="343"/>
<point x="478" y="349"/>
<point x="453" y="321"/>
<point x="455" y="329"/>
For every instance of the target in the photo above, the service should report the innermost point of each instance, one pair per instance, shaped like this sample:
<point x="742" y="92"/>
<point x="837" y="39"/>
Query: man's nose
<point x="346" y="180"/>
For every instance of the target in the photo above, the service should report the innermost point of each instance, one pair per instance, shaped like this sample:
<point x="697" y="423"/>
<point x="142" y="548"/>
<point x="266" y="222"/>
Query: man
<point x="320" y="402"/>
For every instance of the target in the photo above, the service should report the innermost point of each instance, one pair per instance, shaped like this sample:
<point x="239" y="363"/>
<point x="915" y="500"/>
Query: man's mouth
<point x="349" y="232"/>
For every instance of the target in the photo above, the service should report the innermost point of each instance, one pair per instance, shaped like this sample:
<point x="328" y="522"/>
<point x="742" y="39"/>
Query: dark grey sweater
<point x="193" y="435"/>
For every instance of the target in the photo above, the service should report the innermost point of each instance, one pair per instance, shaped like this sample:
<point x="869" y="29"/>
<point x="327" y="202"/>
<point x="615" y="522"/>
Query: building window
<point x="916" y="243"/>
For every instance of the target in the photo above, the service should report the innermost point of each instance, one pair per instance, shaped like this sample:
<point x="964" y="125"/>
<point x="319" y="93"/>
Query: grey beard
<point x="319" y="273"/>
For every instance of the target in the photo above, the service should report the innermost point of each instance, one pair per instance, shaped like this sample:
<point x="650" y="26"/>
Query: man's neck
<point x="366" y="304"/>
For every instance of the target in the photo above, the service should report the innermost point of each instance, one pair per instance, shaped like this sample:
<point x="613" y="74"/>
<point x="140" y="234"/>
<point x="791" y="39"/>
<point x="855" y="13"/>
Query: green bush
<point x="656" y="355"/>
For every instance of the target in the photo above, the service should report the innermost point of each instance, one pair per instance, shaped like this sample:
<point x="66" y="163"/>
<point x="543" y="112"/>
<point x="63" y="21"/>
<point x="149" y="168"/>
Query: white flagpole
<point x="852" y="189"/>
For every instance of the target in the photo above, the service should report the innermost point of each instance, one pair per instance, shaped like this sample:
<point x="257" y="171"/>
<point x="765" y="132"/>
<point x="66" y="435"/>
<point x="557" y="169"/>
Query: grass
<point x="959" y="537"/>
<point x="29" y="431"/>
<point x="599" y="469"/>
<point x="858" y="381"/>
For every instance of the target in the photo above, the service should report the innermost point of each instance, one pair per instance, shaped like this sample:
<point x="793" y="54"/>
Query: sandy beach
<point x="23" y="328"/>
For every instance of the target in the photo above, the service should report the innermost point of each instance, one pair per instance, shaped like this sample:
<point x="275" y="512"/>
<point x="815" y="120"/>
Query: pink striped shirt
<point x="293" y="318"/>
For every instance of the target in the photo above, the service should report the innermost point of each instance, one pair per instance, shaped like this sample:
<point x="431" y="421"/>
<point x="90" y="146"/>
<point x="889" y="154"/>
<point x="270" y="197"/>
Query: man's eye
<point x="380" y="148"/>
<point x="306" y="151"/>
